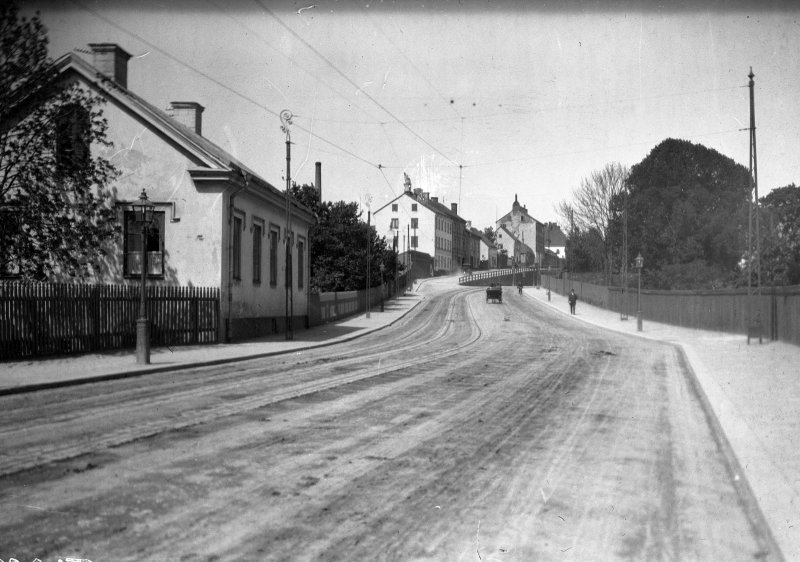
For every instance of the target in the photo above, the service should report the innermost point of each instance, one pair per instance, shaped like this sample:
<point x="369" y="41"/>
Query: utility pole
<point x="623" y="313"/>
<point x="755" y="323"/>
<point x="286" y="120"/>
<point x="369" y="285"/>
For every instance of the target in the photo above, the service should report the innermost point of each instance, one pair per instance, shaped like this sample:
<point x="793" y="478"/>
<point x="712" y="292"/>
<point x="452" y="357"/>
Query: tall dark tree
<point x="686" y="204"/>
<point x="780" y="220"/>
<point x="339" y="246"/>
<point x="55" y="207"/>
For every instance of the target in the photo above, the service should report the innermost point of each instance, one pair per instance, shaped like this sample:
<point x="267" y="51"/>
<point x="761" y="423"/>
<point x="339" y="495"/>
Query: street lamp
<point x="286" y="117"/>
<point x="143" y="215"/>
<point x="383" y="272"/>
<point x="639" y="266"/>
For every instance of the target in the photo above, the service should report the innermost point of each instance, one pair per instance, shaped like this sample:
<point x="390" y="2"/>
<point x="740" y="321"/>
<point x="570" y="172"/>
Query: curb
<point x="755" y="516"/>
<point x="25" y="388"/>
<point x="737" y="474"/>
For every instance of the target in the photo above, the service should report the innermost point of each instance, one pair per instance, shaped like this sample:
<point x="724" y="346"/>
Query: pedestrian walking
<point x="573" y="298"/>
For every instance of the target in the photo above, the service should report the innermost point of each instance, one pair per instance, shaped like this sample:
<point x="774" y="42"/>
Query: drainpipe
<point x="231" y="199"/>
<point x="308" y="277"/>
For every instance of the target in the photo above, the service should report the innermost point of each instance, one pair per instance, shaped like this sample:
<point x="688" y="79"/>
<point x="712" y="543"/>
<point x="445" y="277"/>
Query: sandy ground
<point x="469" y="431"/>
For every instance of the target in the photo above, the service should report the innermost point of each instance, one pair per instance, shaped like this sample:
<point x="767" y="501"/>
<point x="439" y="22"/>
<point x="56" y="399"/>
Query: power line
<point x="214" y="80"/>
<point x="554" y="154"/>
<point x="258" y="36"/>
<point x="408" y="60"/>
<point x="356" y="86"/>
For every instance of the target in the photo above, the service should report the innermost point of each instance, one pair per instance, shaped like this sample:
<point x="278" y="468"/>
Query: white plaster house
<point x="525" y="229"/>
<point x="417" y="222"/>
<point x="218" y="223"/>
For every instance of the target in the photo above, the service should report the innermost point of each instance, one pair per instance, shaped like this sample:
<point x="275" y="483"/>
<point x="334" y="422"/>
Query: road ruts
<point x="474" y="431"/>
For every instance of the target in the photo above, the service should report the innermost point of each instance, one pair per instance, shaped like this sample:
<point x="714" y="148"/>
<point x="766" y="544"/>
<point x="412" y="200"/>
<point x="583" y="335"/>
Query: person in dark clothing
<point x="573" y="298"/>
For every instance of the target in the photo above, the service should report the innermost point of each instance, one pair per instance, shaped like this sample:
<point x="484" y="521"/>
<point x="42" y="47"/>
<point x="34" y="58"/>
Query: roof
<point x="480" y="234"/>
<point x="209" y="157"/>
<point x="434" y="206"/>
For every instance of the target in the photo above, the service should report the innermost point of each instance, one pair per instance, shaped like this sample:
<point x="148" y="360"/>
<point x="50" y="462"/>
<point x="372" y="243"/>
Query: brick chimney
<point x="112" y="61"/>
<point x="318" y="179"/>
<point x="454" y="207"/>
<point x="435" y="199"/>
<point x="188" y="113"/>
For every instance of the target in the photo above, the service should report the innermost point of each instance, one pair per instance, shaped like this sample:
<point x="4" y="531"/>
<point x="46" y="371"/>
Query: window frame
<point x="301" y="246"/>
<point x="258" y="233"/>
<point x="131" y="230"/>
<point x="274" y="242"/>
<point x="236" y="245"/>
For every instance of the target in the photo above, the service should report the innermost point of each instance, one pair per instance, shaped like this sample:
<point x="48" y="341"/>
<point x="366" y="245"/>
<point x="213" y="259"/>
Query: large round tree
<point x="55" y="209"/>
<point x="685" y="206"/>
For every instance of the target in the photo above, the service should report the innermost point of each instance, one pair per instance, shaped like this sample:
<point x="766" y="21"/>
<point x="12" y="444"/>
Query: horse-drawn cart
<point x="494" y="293"/>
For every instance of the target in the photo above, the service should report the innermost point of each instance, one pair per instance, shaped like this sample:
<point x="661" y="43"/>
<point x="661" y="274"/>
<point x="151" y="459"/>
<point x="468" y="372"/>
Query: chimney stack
<point x="435" y="199"/>
<point x="318" y="180"/>
<point x="454" y="207"/>
<point x="188" y="113"/>
<point x="112" y="61"/>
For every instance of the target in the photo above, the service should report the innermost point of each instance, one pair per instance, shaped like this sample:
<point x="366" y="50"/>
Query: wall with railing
<point x="328" y="307"/>
<point x="508" y="276"/>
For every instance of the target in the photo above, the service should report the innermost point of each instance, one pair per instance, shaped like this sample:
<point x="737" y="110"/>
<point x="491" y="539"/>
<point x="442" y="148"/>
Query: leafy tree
<point x="339" y="246"/>
<point x="592" y="210"/>
<point x="55" y="208"/>
<point x="686" y="204"/>
<point x="780" y="243"/>
<point x="585" y="250"/>
<point x="490" y="234"/>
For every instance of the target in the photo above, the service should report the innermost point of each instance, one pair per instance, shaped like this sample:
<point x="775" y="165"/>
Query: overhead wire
<point x="350" y="81"/>
<point x="214" y="80"/>
<point x="589" y="151"/>
<point x="264" y="41"/>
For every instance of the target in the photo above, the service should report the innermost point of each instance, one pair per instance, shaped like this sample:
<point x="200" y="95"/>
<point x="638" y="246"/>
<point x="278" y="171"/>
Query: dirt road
<point x="468" y="431"/>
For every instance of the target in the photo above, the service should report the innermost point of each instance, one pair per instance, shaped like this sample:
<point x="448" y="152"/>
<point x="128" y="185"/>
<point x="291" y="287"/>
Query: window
<point x="413" y="241"/>
<point x="395" y="224"/>
<point x="289" y="262"/>
<point x="301" y="246"/>
<point x="257" y="230"/>
<point x="73" y="130"/>
<point x="274" y="233"/>
<point x="237" y="248"/>
<point x="414" y="223"/>
<point x="394" y="207"/>
<point x="9" y="241"/>
<point x="154" y="246"/>
<point x="413" y="207"/>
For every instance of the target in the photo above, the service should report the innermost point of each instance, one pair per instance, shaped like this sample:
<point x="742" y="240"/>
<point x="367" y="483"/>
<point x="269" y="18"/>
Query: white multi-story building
<point x="417" y="222"/>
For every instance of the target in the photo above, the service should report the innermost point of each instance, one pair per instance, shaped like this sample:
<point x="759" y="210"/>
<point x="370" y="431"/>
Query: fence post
<point x="196" y="317"/>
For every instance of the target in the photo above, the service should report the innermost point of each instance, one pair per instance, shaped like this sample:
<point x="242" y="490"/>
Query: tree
<point x="592" y="209"/>
<point x="490" y="234"/>
<point x="339" y="246"/>
<point x="687" y="203"/>
<point x="55" y="206"/>
<point x="780" y="243"/>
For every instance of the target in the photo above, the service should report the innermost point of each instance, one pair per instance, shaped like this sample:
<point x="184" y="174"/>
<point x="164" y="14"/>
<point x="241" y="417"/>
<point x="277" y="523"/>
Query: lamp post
<point x="143" y="215"/>
<point x="639" y="266"/>
<point x="286" y="117"/>
<point x="549" y="232"/>
<point x="383" y="287"/>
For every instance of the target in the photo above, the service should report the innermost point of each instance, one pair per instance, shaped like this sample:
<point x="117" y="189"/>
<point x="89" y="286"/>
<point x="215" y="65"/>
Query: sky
<point x="478" y="102"/>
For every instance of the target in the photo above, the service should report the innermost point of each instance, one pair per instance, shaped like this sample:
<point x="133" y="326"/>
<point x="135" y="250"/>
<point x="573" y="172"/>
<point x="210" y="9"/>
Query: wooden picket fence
<point x="49" y="318"/>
